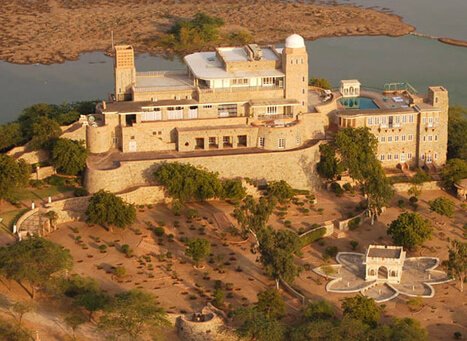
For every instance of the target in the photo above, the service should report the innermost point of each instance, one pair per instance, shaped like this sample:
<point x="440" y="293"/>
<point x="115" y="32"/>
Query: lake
<point x="372" y="60"/>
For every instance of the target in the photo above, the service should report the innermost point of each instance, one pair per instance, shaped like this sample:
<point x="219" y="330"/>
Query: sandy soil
<point x="441" y="315"/>
<point x="53" y="31"/>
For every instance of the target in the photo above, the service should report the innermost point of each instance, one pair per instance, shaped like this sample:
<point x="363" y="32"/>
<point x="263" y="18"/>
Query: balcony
<point x="206" y="90"/>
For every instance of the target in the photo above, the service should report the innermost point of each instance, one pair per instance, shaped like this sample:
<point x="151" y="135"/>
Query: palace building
<point x="249" y="112"/>
<point x="234" y="97"/>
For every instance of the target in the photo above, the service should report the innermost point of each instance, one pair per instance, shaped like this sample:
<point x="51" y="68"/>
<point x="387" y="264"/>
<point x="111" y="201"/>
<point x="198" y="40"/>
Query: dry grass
<point x="52" y="31"/>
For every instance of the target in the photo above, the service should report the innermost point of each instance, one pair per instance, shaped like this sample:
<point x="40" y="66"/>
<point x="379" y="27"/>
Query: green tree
<point x="13" y="174"/>
<point x="11" y="135"/>
<point x="186" y="182"/>
<point x="442" y="206"/>
<point x="252" y="215"/>
<point x="354" y="329"/>
<point x="233" y="189"/>
<point x="277" y="249"/>
<point x="457" y="262"/>
<point x="457" y="128"/>
<point x="130" y="313"/>
<point x="43" y="131"/>
<point x="409" y="230"/>
<point x="315" y="330"/>
<point x="328" y="166"/>
<point x="9" y="332"/>
<point x="357" y="148"/>
<point x="20" y="309"/>
<point x="68" y="156"/>
<point x="198" y="249"/>
<point x="74" y="320"/>
<point x="255" y="325"/>
<point x="407" y="329"/>
<point x="280" y="190"/>
<point x="417" y="181"/>
<point x="362" y="308"/>
<point x="454" y="171"/>
<point x="271" y="304"/>
<point x="319" y="310"/>
<point x="108" y="210"/>
<point x="320" y="83"/>
<point x="34" y="260"/>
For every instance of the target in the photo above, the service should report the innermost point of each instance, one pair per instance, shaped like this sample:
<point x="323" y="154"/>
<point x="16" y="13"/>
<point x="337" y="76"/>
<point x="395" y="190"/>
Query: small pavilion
<point x="384" y="263"/>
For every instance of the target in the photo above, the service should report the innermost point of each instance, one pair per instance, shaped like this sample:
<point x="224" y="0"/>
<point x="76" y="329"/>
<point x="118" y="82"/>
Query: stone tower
<point x="125" y="72"/>
<point x="295" y="67"/>
<point x="438" y="97"/>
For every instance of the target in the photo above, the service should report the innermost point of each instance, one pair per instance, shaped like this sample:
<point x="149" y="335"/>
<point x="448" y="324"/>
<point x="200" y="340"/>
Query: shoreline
<point x="56" y="33"/>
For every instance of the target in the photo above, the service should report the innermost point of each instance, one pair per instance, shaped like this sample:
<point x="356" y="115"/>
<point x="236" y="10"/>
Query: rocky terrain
<point x="53" y="31"/>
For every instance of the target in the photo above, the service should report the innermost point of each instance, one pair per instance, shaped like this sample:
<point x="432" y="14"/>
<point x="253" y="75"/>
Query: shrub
<point x="354" y="244"/>
<point x="442" y="206"/>
<point x="80" y="192"/>
<point x="126" y="249"/>
<point x="413" y="199"/>
<point x="280" y="190"/>
<point x="177" y="207"/>
<point x="233" y="189"/>
<point x="336" y="188"/>
<point x="415" y="303"/>
<point x="401" y="203"/>
<point x="159" y="231"/>
<point x="312" y="236"/>
<point x="331" y="251"/>
<point x="354" y="223"/>
<point x="120" y="272"/>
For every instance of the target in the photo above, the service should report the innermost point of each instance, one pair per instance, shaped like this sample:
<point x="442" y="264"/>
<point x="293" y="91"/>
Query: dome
<point x="295" y="41"/>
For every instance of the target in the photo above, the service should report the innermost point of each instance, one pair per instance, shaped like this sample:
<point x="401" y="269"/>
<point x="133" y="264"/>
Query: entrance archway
<point x="383" y="273"/>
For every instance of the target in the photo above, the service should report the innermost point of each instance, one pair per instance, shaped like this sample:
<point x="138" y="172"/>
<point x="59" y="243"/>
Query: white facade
<point x="384" y="263"/>
<point x="350" y="88"/>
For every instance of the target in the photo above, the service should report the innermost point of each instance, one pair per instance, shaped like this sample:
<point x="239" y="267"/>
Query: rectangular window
<point x="381" y="157"/>
<point x="410" y="118"/>
<point x="436" y="156"/>
<point x="396" y="156"/>
<point x="240" y="81"/>
<point x="261" y="141"/>
<point x="409" y="156"/>
<point x="389" y="138"/>
<point x="271" y="110"/>
<point x="396" y="138"/>
<point x="404" y="119"/>
<point x="154" y="115"/>
<point x="410" y="137"/>
<point x="389" y="157"/>
<point x="424" y="120"/>
<point x="207" y="106"/>
<point x="430" y="138"/>
<point x="424" y="138"/>
<point x="403" y="137"/>
<point x="370" y="121"/>
<point x="397" y="119"/>
<point x="436" y="137"/>
<point x="227" y="110"/>
<point x="281" y="143"/>
<point x="268" y="81"/>
<point x="383" y="139"/>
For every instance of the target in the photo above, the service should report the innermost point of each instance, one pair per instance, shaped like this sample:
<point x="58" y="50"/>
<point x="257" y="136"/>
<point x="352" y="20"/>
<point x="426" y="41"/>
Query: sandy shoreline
<point x="54" y="31"/>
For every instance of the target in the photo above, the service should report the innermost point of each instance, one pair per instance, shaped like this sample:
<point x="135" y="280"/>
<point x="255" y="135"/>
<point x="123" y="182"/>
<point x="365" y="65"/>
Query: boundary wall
<point x="297" y="167"/>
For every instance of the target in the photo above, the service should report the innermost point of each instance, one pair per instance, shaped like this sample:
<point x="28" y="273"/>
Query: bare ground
<point x="53" y="31"/>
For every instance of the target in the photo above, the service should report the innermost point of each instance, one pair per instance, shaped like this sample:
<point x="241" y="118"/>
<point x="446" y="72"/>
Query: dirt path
<point x="53" y="31"/>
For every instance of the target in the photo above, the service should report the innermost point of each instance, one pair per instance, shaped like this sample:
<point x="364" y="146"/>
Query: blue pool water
<point x="358" y="103"/>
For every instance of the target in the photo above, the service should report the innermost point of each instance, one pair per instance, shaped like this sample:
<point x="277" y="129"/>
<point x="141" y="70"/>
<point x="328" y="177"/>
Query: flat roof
<point x="130" y="106"/>
<point x="162" y="80"/>
<point x="206" y="65"/>
<point x="384" y="251"/>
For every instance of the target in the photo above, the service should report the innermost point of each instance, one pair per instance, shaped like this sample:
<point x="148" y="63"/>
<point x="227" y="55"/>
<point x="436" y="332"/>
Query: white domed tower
<point x="295" y="67"/>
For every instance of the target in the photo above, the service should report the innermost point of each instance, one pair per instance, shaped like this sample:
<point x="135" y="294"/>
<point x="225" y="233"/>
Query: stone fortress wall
<point x="297" y="167"/>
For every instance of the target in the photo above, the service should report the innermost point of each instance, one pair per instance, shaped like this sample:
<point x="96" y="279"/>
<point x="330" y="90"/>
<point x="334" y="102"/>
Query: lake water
<point x="372" y="60"/>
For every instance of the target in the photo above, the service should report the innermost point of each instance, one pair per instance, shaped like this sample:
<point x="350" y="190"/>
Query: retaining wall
<point x="297" y="167"/>
<point x="426" y="186"/>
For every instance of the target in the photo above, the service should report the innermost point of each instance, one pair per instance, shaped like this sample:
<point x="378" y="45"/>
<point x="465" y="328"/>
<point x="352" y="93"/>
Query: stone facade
<point x="410" y="134"/>
<point x="297" y="167"/>
<point x="384" y="263"/>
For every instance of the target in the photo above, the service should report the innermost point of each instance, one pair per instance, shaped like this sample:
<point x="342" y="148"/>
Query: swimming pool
<point x="358" y="103"/>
